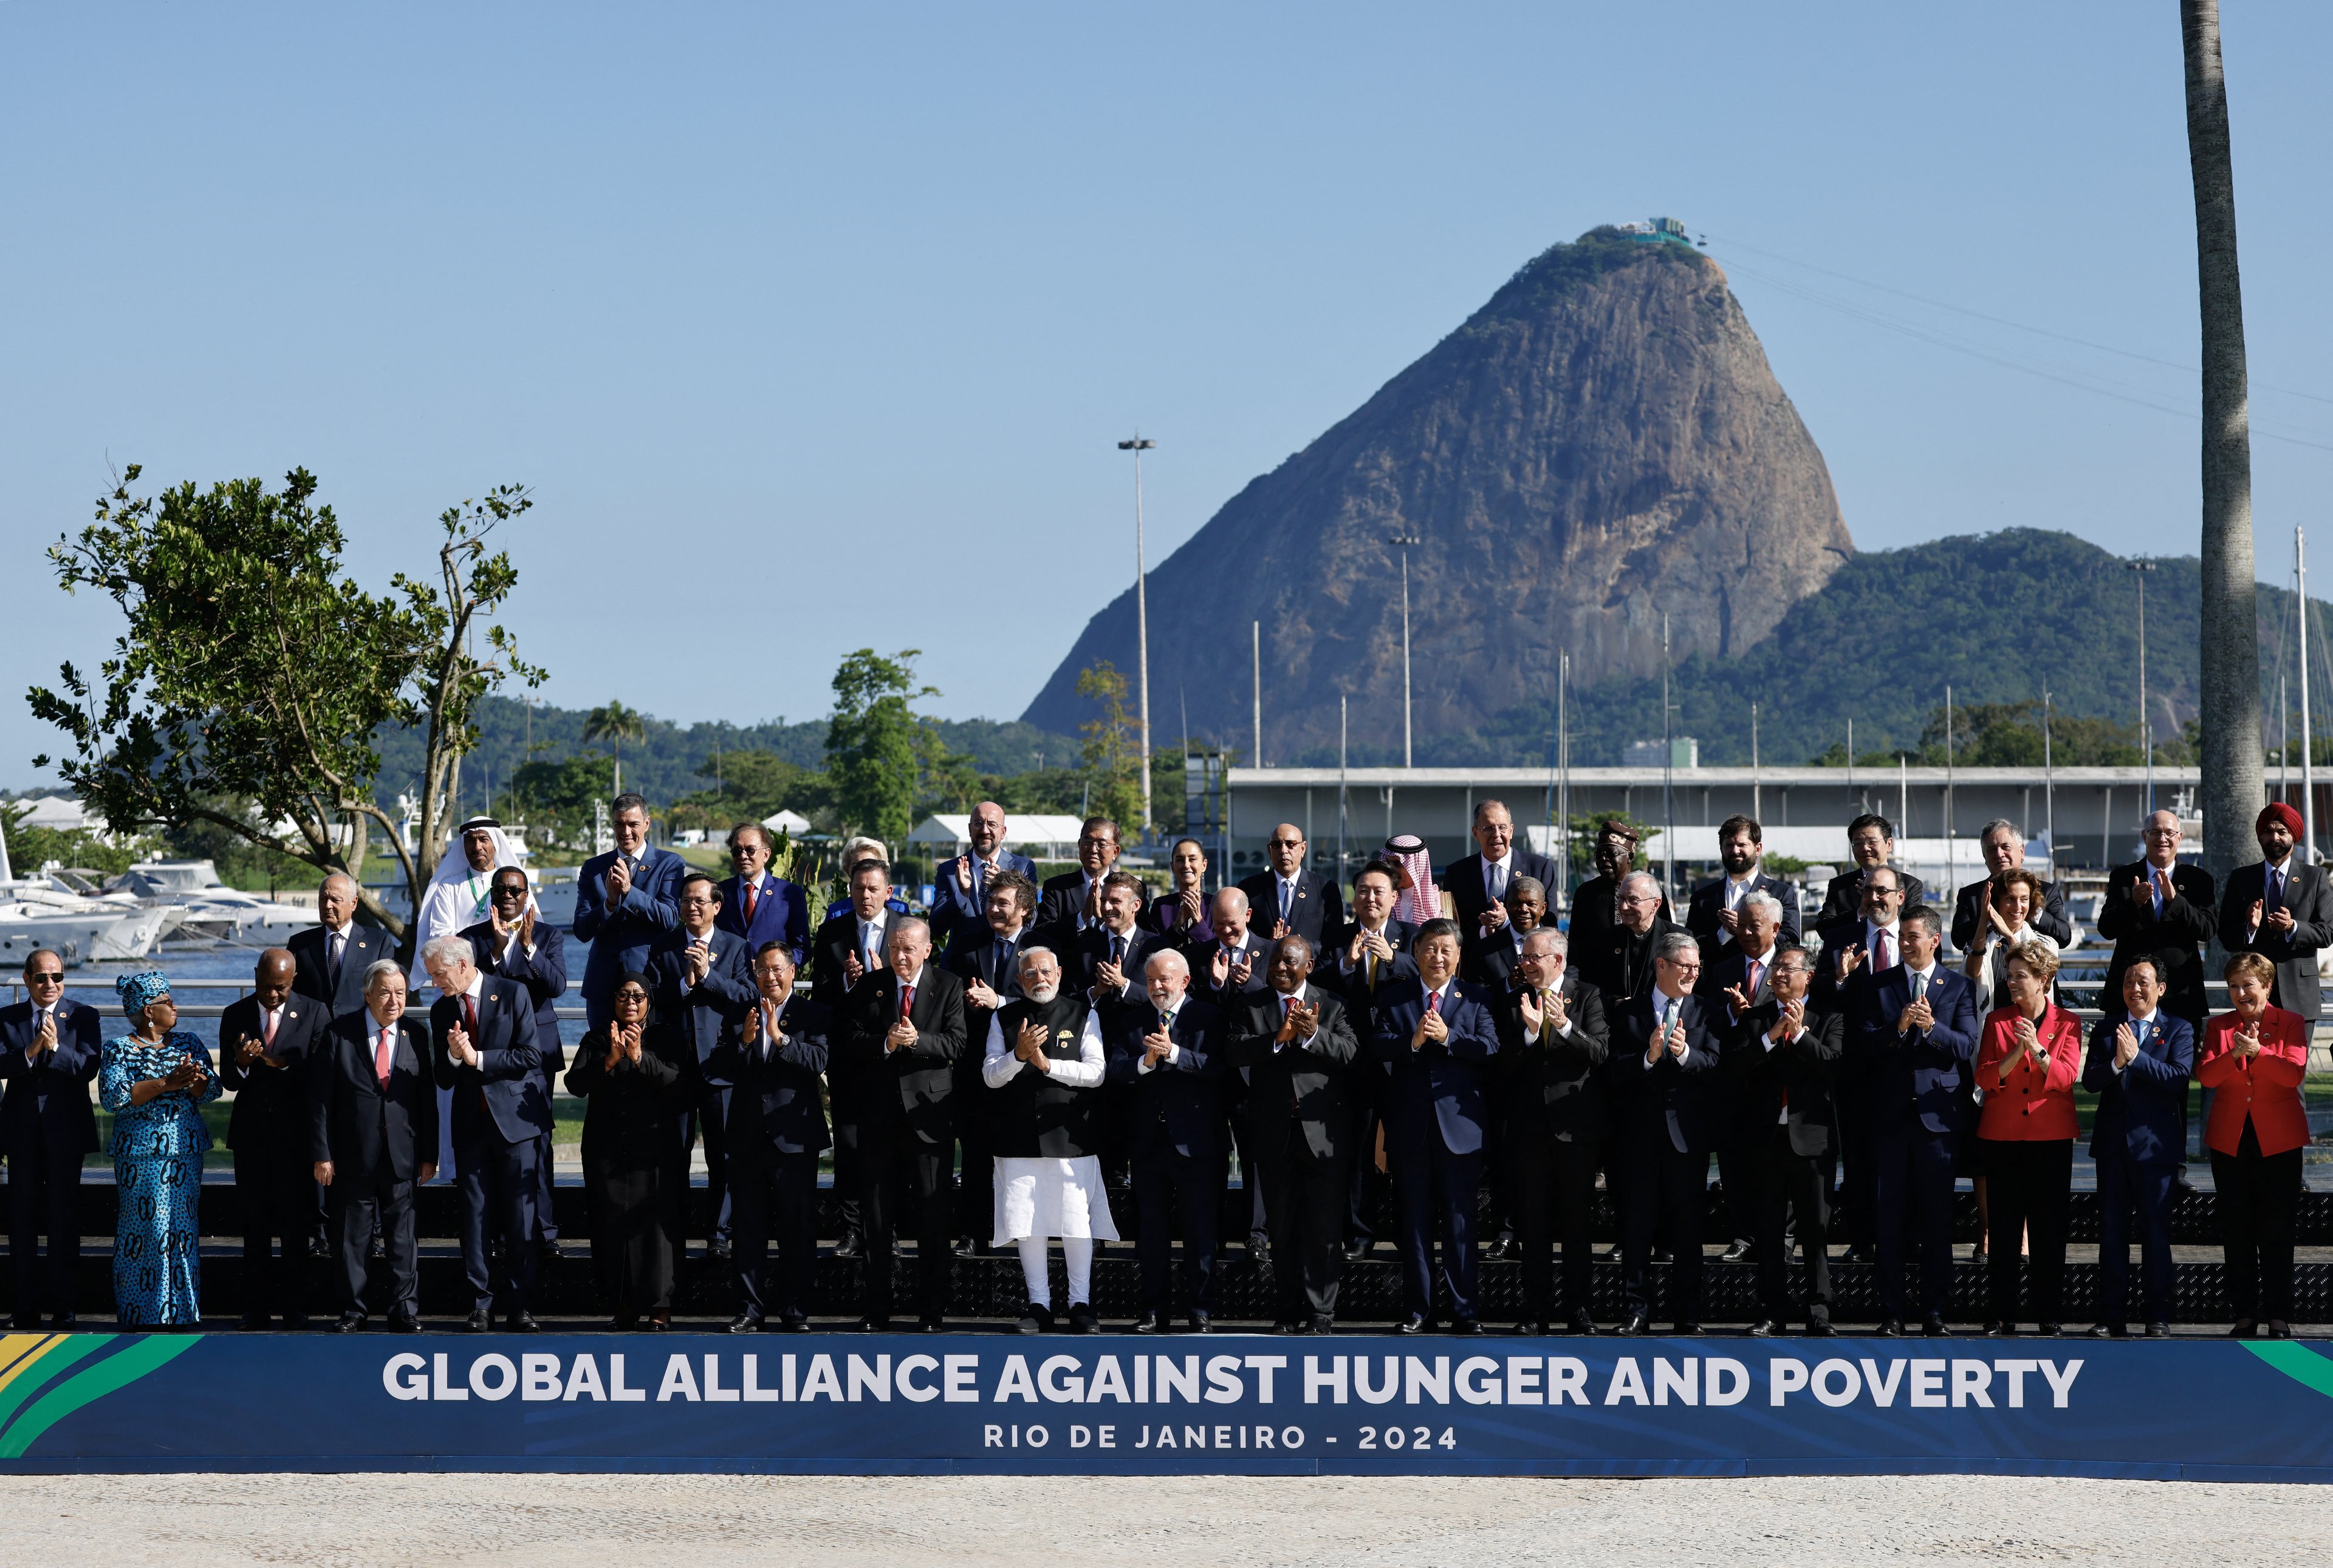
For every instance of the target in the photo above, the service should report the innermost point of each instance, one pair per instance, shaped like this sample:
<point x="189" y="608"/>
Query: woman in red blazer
<point x="2027" y="1060"/>
<point x="2255" y="1057"/>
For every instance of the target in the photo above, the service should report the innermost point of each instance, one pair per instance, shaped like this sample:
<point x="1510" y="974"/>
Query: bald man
<point x="332" y="956"/>
<point x="265" y="1043"/>
<point x="960" y="887"/>
<point x="1290" y="899"/>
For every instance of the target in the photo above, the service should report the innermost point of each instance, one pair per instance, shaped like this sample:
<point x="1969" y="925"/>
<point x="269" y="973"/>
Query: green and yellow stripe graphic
<point x="44" y="1378"/>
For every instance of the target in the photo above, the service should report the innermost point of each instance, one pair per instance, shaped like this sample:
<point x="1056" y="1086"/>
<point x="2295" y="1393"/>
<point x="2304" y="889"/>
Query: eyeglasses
<point x="503" y="894"/>
<point x="1288" y="843"/>
<point x="46" y="977"/>
<point x="632" y="993"/>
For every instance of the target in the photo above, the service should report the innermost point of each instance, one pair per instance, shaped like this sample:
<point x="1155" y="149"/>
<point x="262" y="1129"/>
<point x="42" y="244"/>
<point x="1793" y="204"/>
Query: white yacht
<point x="205" y="908"/>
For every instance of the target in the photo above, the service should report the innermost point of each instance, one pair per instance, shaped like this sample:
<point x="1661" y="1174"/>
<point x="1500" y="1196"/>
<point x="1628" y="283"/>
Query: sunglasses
<point x="634" y="995"/>
<point x="46" y="977"/>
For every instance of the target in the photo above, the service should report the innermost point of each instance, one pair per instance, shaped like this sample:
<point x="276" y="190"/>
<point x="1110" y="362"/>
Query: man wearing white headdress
<point x="460" y="894"/>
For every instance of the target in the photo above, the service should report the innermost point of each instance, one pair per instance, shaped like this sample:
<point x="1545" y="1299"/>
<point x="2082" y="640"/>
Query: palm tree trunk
<point x="2231" y="650"/>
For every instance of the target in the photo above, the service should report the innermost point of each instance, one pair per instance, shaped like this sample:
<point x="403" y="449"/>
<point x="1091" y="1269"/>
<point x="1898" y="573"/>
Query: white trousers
<point x="1077" y="1251"/>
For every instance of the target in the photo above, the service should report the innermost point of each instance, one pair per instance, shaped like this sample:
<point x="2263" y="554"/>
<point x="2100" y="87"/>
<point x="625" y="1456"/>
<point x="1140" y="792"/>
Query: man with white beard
<point x="1044" y="1067"/>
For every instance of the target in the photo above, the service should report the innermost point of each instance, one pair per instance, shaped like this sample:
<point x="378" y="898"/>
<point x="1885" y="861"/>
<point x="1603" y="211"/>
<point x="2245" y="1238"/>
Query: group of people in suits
<point x="995" y="1066"/>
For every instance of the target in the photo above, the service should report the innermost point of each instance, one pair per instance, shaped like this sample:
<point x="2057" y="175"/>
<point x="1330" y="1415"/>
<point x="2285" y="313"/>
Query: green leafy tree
<point x="874" y="742"/>
<point x="1113" y="764"/>
<point x="254" y="670"/>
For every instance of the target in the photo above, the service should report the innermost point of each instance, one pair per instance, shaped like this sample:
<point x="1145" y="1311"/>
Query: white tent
<point x="1041" y="838"/>
<point x="787" y="823"/>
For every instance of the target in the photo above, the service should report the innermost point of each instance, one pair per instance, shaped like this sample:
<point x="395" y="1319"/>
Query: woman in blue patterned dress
<point x="154" y="1080"/>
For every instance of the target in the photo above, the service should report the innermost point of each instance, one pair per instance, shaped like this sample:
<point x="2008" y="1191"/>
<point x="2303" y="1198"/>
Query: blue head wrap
<point x="140" y="989"/>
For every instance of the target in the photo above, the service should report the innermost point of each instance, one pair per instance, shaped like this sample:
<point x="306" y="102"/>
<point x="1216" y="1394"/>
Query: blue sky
<point x="822" y="324"/>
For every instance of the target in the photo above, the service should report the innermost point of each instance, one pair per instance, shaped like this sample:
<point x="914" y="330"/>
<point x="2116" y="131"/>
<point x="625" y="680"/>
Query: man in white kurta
<point x="1044" y="1067"/>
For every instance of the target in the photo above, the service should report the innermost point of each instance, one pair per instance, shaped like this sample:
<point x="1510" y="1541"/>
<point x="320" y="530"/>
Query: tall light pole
<point x="1141" y="622"/>
<point x="2308" y="745"/>
<point x="2146" y="730"/>
<point x="1404" y="542"/>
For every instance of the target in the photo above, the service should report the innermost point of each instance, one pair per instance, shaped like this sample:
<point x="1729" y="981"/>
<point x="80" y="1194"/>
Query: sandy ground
<point x="647" y="1521"/>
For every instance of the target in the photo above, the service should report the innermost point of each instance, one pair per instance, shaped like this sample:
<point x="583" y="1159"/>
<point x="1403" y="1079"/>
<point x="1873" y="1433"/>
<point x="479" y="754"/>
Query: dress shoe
<point x="2052" y="1331"/>
<point x="659" y="1323"/>
<point x="401" y="1322"/>
<point x="1200" y="1322"/>
<point x="1853" y="1253"/>
<point x="2278" y="1329"/>
<point x="748" y="1321"/>
<point x="479" y="1321"/>
<point x="931" y="1324"/>
<point x="850" y="1244"/>
<point x="378" y="1252"/>
<point x="1997" y="1330"/>
<point x="967" y="1247"/>
<point x="1356" y="1250"/>
<point x="1034" y="1318"/>
<point x="1738" y="1251"/>
<point x="1149" y="1324"/>
<point x="874" y="1325"/>
<point x="2158" y="1330"/>
<point x="1258" y="1246"/>
<point x="1662" y="1254"/>
<point x="1977" y="1254"/>
<point x="1531" y="1326"/>
<point x="319" y="1247"/>
<point x="1635" y="1323"/>
<point x="1083" y="1319"/>
<point x="1764" y="1329"/>
<point x="2110" y="1331"/>
<point x="1820" y="1329"/>
<point x="250" y="1322"/>
<point x="1683" y="1327"/>
<point x="1933" y="1327"/>
<point x="718" y="1248"/>
<point x="1415" y="1324"/>
<point x="1322" y="1325"/>
<point x="790" y="1323"/>
<point x="1467" y="1326"/>
<point x="522" y="1321"/>
<point x="1288" y="1327"/>
<point x="1581" y="1325"/>
<point x="2244" y="1329"/>
<point x="1890" y="1328"/>
<point x="346" y="1323"/>
<point x="1502" y="1247"/>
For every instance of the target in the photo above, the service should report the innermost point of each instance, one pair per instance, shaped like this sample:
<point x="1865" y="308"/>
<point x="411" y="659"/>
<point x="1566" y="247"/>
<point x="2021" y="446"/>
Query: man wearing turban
<point x="2280" y="908"/>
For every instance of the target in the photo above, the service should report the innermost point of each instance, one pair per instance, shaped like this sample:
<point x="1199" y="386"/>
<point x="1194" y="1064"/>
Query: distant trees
<point x="1113" y="761"/>
<point x="874" y="742"/>
<point x="615" y="723"/>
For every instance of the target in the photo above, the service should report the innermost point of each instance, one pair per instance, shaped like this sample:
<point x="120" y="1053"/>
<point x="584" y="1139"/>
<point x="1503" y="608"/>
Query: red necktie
<point x="1757" y="969"/>
<point x="906" y="999"/>
<point x="1433" y="1001"/>
<point x="383" y="1054"/>
<point x="752" y="900"/>
<point x="470" y="1018"/>
<point x="1885" y="960"/>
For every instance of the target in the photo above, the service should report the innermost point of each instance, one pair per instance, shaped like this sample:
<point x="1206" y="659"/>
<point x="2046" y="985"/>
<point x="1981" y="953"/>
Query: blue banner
<point x="1111" y="1404"/>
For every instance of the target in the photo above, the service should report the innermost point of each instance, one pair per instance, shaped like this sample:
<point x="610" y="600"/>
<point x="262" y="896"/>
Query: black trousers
<point x="1367" y="1187"/>
<point x="849" y="1176"/>
<point x="2029" y="1194"/>
<point x="1738" y="1159"/>
<point x="498" y="1182"/>
<point x="546" y="1220"/>
<point x="1859" y="1187"/>
<point x="976" y="1186"/>
<point x="1252" y="1210"/>
<point x="1189" y="1185"/>
<point x="1667" y="1191"/>
<point x="2259" y="1195"/>
<point x="774" y="1195"/>
<point x="901" y="1176"/>
<point x="358" y="1207"/>
<point x="1554" y="1189"/>
<point x="274" y="1186"/>
<point x="2125" y="1184"/>
<point x="1306" y="1199"/>
<point x="709" y="1117"/>
<point x="1780" y="1181"/>
<point x="1912" y="1195"/>
<point x="44" y="1187"/>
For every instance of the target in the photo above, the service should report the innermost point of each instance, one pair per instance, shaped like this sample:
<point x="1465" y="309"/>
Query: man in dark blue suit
<point x="624" y="901"/>
<point x="1168" y="1052"/>
<point x="1372" y="950"/>
<point x="990" y="968"/>
<point x="372" y="1127"/>
<point x="513" y="945"/>
<point x="771" y="1063"/>
<point x="1666" y="1047"/>
<point x="1713" y="913"/>
<point x="1436" y="1034"/>
<point x="758" y="907"/>
<point x="702" y="984"/>
<point x="330" y="957"/>
<point x="268" y="1043"/>
<point x="1477" y="884"/>
<point x="50" y="1050"/>
<point x="1915" y="1027"/>
<point x="960" y="888"/>
<point x="484" y="1027"/>
<point x="1291" y="899"/>
<point x="2138" y="1065"/>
